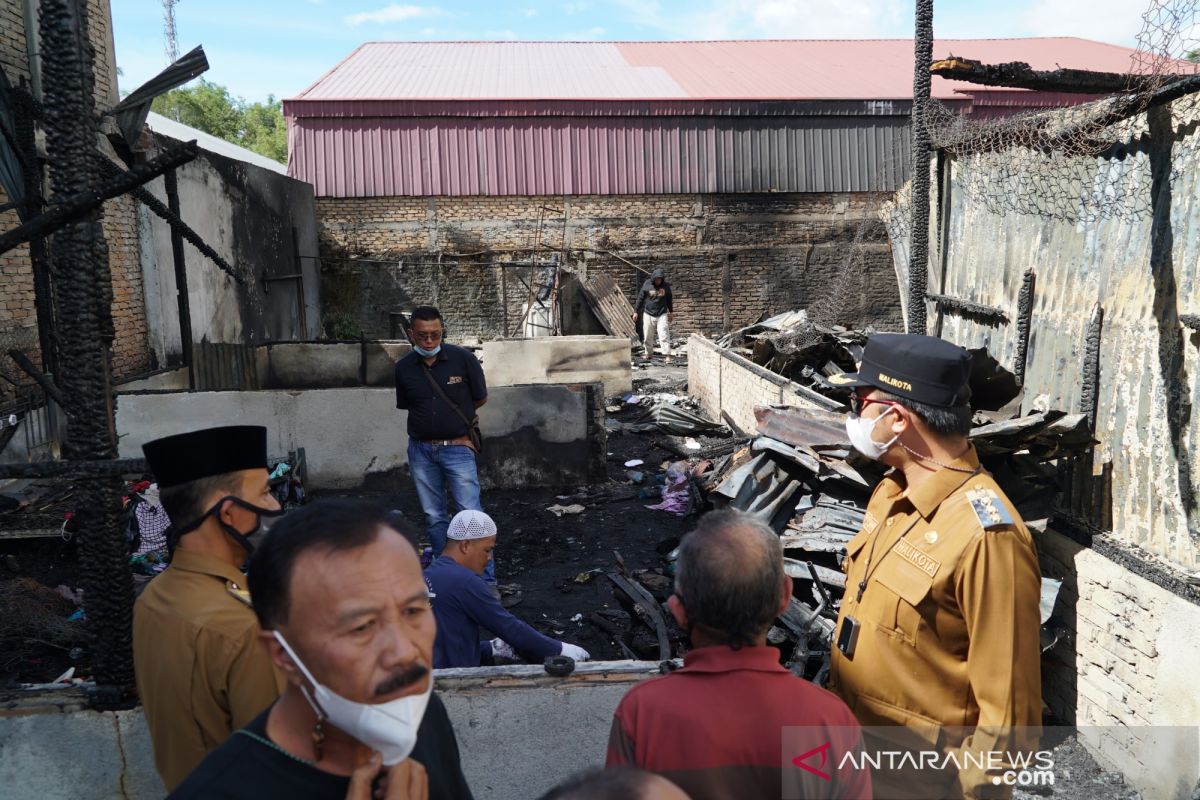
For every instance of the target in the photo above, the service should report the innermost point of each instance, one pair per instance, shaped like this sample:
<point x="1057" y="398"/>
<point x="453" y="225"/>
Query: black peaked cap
<point x="187" y="457"/>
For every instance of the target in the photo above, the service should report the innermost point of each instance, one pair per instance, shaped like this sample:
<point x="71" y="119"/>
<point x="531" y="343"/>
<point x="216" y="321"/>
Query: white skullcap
<point x="471" y="525"/>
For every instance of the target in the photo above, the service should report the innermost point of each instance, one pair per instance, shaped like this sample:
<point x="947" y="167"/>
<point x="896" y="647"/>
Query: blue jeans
<point x="434" y="467"/>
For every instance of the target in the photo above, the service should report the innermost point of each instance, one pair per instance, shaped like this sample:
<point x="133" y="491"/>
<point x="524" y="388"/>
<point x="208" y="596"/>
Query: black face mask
<point x="241" y="538"/>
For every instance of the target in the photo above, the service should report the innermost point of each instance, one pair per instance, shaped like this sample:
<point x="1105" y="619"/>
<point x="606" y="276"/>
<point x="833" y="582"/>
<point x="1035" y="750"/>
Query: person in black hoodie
<point x="656" y="305"/>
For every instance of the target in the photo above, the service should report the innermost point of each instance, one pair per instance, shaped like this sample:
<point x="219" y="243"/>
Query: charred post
<point x="83" y="285"/>
<point x="1024" y="322"/>
<point x="918" y="251"/>
<point x="181" y="284"/>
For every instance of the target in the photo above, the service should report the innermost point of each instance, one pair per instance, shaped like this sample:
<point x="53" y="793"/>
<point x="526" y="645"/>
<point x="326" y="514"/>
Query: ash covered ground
<point x="556" y="564"/>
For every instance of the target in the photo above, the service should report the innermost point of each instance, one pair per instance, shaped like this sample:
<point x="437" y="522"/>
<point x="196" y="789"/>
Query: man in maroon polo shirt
<point x="716" y="727"/>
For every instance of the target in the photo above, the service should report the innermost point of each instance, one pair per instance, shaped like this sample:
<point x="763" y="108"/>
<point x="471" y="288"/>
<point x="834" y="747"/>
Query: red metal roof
<point x="862" y="69"/>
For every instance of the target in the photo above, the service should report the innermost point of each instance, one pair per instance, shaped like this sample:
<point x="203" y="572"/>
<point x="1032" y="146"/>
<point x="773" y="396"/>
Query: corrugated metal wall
<point x="367" y="157"/>
<point x="1148" y="361"/>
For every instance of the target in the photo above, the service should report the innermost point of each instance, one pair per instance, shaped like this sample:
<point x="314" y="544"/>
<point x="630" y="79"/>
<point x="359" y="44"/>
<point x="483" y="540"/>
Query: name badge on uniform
<point x="454" y="379"/>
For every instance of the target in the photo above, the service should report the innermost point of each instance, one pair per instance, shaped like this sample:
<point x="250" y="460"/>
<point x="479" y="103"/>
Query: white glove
<point x="575" y="651"/>
<point x="502" y="649"/>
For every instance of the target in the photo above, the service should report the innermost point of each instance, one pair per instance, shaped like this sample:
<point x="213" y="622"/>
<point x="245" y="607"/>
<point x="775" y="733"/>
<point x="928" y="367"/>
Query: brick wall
<point x="18" y="315"/>
<point x="1127" y="661"/>
<point x="726" y="382"/>
<point x="730" y="258"/>
<point x="131" y="348"/>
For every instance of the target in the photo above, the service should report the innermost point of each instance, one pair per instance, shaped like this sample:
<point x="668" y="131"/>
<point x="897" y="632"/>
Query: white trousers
<point x="661" y="325"/>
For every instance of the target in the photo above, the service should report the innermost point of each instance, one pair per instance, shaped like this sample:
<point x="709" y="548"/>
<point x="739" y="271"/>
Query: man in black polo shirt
<point x="440" y="452"/>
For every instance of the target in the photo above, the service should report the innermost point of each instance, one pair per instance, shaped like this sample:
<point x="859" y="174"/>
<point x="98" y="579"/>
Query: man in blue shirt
<point x="463" y="603"/>
<point x="441" y="386"/>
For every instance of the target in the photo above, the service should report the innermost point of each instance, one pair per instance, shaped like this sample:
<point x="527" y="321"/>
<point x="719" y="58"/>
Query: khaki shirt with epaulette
<point x="201" y="671"/>
<point x="949" y="617"/>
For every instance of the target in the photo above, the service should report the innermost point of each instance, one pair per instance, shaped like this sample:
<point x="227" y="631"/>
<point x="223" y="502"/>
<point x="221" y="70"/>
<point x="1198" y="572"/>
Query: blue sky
<point x="279" y="47"/>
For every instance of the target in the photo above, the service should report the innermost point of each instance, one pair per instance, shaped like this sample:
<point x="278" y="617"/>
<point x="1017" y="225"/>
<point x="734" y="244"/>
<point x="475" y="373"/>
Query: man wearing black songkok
<point x="201" y="672"/>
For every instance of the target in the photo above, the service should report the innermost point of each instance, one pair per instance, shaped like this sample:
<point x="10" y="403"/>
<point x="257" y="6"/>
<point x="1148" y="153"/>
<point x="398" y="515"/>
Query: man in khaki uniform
<point x="938" y="630"/>
<point x="201" y="672"/>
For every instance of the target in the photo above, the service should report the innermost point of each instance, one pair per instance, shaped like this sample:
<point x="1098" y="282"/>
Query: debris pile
<point x="793" y="346"/>
<point x="801" y="477"/>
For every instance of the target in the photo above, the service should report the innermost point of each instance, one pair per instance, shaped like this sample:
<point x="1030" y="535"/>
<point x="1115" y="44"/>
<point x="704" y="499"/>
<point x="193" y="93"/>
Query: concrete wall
<point x="560" y="359"/>
<point x="323" y="365"/>
<point x="522" y="732"/>
<point x="260" y="222"/>
<point x="1128" y="661"/>
<point x="729" y="257"/>
<point x="534" y="435"/>
<point x="71" y="754"/>
<point x="726" y="382"/>
<point x="519" y="732"/>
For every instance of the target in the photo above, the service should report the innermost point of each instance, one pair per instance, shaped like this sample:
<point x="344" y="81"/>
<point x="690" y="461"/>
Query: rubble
<point x="800" y="476"/>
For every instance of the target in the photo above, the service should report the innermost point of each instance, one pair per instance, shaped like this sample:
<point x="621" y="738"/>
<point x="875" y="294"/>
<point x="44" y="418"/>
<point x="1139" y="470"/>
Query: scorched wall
<point x="730" y="258"/>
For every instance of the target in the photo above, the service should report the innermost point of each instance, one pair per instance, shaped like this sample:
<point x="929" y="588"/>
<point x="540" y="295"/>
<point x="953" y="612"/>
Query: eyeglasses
<point x="426" y="336"/>
<point x="858" y="402"/>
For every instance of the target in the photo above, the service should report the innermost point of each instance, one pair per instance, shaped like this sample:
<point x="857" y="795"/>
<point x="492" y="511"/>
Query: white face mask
<point x="859" y="430"/>
<point x="390" y="728"/>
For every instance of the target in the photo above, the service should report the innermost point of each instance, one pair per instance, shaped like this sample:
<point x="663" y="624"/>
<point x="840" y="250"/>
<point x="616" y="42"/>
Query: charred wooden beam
<point x="648" y="607"/>
<point x="78" y="469"/>
<point x="1019" y="75"/>
<point x="989" y="315"/>
<point x="81" y="203"/>
<point x="1024" y="323"/>
<point x="178" y="226"/>
<point x="38" y="376"/>
<point x="1089" y="393"/>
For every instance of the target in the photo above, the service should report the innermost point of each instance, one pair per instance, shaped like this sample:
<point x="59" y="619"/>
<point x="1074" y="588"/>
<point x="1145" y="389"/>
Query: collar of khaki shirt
<point x="205" y="564"/>
<point x="937" y="487"/>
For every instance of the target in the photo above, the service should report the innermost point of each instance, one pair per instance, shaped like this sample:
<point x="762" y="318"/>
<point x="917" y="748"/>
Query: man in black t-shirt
<point x="346" y="618"/>
<point x="440" y="452"/>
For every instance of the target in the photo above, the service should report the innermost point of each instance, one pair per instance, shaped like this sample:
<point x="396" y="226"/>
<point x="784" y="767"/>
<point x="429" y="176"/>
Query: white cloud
<point x="393" y="13"/>
<point x="1115" y="21"/>
<point x="727" y="19"/>
<point x="529" y="12"/>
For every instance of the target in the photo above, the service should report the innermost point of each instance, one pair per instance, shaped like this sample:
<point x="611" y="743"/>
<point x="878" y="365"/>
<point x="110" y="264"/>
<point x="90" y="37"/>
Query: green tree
<point x="211" y="108"/>
<point x="265" y="130"/>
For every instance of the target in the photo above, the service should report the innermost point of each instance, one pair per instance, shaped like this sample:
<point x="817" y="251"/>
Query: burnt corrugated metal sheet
<point x="1145" y="421"/>
<point x="387" y="157"/>
<point x="611" y="306"/>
